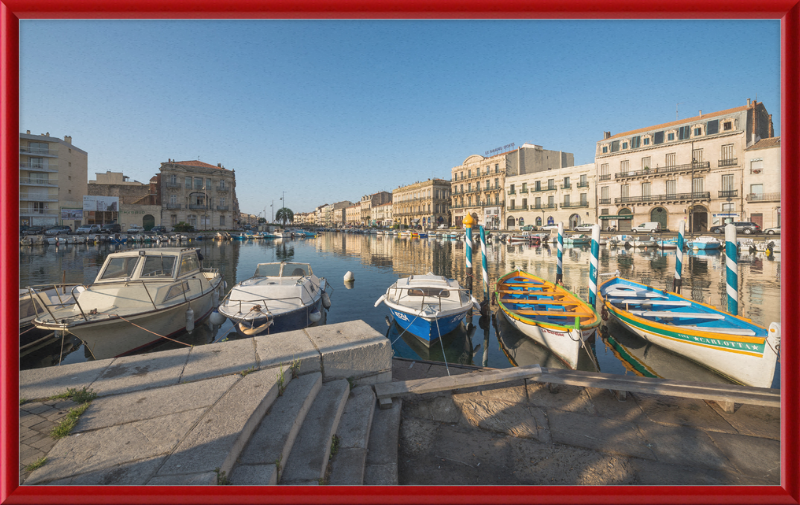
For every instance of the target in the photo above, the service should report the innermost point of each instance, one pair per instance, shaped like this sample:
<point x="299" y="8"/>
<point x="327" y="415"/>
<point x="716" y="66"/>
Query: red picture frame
<point x="11" y="11"/>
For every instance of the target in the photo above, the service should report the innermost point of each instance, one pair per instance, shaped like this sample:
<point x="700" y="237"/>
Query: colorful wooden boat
<point x="732" y="346"/>
<point x="548" y="313"/>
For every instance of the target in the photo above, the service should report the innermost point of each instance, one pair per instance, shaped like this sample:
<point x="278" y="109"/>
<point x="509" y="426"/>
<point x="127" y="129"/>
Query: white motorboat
<point x="278" y="297"/>
<point x="705" y="242"/>
<point x="137" y="298"/>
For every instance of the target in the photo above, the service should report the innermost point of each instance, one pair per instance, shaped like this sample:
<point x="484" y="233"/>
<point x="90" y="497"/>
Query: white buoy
<point x="189" y="320"/>
<point x="349" y="277"/>
<point x="216" y="318"/>
<point x="314" y="317"/>
<point x="326" y="300"/>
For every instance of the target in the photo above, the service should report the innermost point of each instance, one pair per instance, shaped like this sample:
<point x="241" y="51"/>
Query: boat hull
<point x="563" y="343"/>
<point x="296" y="319"/>
<point x="428" y="330"/>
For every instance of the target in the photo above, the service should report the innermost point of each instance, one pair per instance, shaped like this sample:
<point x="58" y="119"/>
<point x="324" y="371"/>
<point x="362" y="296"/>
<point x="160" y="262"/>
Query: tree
<point x="284" y="214"/>
<point x="261" y="220"/>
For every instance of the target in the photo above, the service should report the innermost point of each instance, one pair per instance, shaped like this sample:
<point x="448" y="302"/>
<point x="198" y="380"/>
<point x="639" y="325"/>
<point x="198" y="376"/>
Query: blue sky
<point x="332" y="110"/>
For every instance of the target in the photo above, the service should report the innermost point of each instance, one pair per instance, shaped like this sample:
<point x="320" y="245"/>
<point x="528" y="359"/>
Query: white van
<point x="651" y="227"/>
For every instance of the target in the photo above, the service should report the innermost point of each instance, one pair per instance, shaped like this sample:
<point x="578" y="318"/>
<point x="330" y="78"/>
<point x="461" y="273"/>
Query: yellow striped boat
<point x="548" y="313"/>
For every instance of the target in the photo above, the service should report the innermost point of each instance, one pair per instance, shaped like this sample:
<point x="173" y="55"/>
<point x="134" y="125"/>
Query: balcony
<point x="523" y="190"/>
<point x="540" y="190"/>
<point x="574" y="205"/>
<point x="37" y="212"/>
<point x="731" y="193"/>
<point x="48" y="183"/>
<point x="512" y="192"/>
<point x="605" y="201"/>
<point x="663" y="198"/>
<point x="172" y="184"/>
<point x="549" y="206"/>
<point x="690" y="167"/>
<point x="566" y="186"/>
<point x="583" y="184"/>
<point x="732" y="162"/>
<point x="198" y="206"/>
<point x="605" y="177"/>
<point x="35" y="198"/>
<point x="490" y="204"/>
<point x="36" y="167"/>
<point x="27" y="151"/>
<point x="223" y="207"/>
<point x="763" y="197"/>
<point x="173" y="206"/>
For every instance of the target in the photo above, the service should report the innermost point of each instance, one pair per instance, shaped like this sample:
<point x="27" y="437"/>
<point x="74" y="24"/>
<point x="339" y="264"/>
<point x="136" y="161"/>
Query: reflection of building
<point x="52" y="178"/>
<point x="691" y="167"/>
<point x="479" y="183"/>
<point x="762" y="182"/>
<point x="422" y="203"/>
<point x="139" y="203"/>
<point x="564" y="195"/>
<point x="199" y="194"/>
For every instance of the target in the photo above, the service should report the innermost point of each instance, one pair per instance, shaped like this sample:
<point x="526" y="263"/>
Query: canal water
<point x="377" y="261"/>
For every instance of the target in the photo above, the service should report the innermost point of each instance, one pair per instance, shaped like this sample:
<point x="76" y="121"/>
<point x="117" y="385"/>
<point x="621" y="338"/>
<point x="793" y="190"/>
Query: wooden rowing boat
<point x="732" y="346"/>
<point x="548" y="313"/>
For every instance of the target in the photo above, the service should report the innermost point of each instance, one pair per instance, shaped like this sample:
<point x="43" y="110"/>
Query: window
<point x="624" y="166"/>
<point x="193" y="220"/>
<point x="497" y="168"/>
<point x="727" y="182"/>
<point x="469" y="173"/>
<point x="623" y="191"/>
<point x="496" y="199"/>
<point x="624" y="145"/>
<point x="487" y="169"/>
<point x="604" y="170"/>
<point x="222" y="201"/>
<point x="177" y="290"/>
<point x="584" y="199"/>
<point x="647" y="141"/>
<point x="120" y="268"/>
<point x="189" y="182"/>
<point x="566" y="181"/>
<point x="551" y="184"/>
<point x="524" y="187"/>
<point x="712" y="127"/>
<point x="158" y="266"/>
<point x="538" y="185"/>
<point x="636" y="142"/>
<point x="615" y="146"/>
<point x="645" y="189"/>
<point x="173" y="219"/>
<point x="728" y="207"/>
<point x="683" y="132"/>
<point x="697" y="156"/>
<point x="756" y="166"/>
<point x="584" y="180"/>
<point x="727" y="152"/>
<point x="605" y="149"/>
<point x="512" y="189"/>
<point x="727" y="125"/>
<point x="566" y="200"/>
<point x="671" y="187"/>
<point x="469" y="187"/>
<point x="173" y="199"/>
<point x="478" y="186"/>
<point x="513" y="204"/>
<point x="670" y="136"/>
<point x="646" y="162"/>
<point x="538" y="202"/>
<point x="551" y="201"/>
<point x="222" y="184"/>
<point x="698" y="131"/>
<point x="604" y="193"/>
<point x="524" y="203"/>
<point x="658" y="138"/>
<point x="198" y="183"/>
<point x="697" y="185"/>
<point x="756" y="189"/>
<point x="496" y="183"/>
<point x="670" y="159"/>
<point x="604" y="212"/>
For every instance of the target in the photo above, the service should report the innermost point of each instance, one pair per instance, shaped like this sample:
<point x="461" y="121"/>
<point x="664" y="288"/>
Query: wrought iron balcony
<point x="223" y="207"/>
<point x="705" y="165"/>
<point x="731" y="193"/>
<point x="172" y="184"/>
<point x="512" y="192"/>
<point x="605" y="177"/>
<point x="732" y="162"/>
<point x="574" y="205"/>
<point x="523" y="190"/>
<point x="663" y="198"/>
<point x="173" y="206"/>
<point x="36" y="198"/>
<point x="763" y="197"/>
<point x="566" y="186"/>
<point x="605" y="201"/>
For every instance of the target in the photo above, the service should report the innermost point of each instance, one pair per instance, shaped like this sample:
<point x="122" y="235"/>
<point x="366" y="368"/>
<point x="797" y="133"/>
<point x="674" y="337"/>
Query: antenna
<point x="676" y="110"/>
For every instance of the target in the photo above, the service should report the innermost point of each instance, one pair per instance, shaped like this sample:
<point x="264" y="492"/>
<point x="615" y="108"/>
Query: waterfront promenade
<point x="300" y="408"/>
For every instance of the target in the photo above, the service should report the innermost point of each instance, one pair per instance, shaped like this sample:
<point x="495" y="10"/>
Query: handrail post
<point x="72" y="294"/>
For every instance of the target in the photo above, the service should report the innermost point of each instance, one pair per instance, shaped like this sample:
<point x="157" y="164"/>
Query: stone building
<point x="762" y="183"/>
<point x="199" y="194"/>
<point x="340" y="213"/>
<point x="353" y="214"/>
<point x="425" y="203"/>
<point x="564" y="195"/>
<point x="478" y="183"/>
<point x="382" y="214"/>
<point x="366" y="207"/>
<point x="368" y="202"/>
<point x="139" y="203"/>
<point x="691" y="167"/>
<point x="53" y="179"/>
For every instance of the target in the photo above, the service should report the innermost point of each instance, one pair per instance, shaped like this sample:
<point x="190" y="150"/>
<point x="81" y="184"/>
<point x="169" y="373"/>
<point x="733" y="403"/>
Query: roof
<point x="765" y="144"/>
<point x="682" y="121"/>
<point x="197" y="163"/>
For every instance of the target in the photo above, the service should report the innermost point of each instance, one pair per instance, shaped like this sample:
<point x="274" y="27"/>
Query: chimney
<point x="606" y="135"/>
<point x="29" y="132"/>
<point x="47" y="134"/>
<point x="771" y="132"/>
<point x="219" y="165"/>
<point x="748" y="102"/>
<point x="700" y="113"/>
<point x="68" y="139"/>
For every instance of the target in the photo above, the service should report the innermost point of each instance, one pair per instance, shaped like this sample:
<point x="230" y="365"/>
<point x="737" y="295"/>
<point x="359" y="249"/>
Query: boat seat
<point x="678" y="315"/>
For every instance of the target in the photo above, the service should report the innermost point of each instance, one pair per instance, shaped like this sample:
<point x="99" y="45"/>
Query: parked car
<point x="88" y="228"/>
<point x="648" y="227"/>
<point x="158" y="229"/>
<point x="773" y="231"/>
<point x="583" y="227"/>
<point x="746" y="227"/>
<point x="527" y="227"/>
<point x="111" y="228"/>
<point x="33" y="230"/>
<point x="58" y="230"/>
<point x="134" y="228"/>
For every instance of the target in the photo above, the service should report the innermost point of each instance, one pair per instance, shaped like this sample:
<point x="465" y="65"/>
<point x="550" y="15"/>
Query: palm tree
<point x="284" y="214"/>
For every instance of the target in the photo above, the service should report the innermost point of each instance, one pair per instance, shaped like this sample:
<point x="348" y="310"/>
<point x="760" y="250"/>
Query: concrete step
<point x="381" y="467"/>
<point x="268" y="449"/>
<point x="347" y="465"/>
<point x="308" y="459"/>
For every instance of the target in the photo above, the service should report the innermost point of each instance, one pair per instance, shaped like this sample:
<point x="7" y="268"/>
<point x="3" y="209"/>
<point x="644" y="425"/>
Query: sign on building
<point x="72" y="214"/>
<point x="101" y="203"/>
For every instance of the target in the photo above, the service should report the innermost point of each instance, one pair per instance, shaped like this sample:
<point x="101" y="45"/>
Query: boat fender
<point x="380" y="300"/>
<point x="250" y="331"/>
<point x="189" y="320"/>
<point x="216" y="318"/>
<point x="314" y="317"/>
<point x="326" y="300"/>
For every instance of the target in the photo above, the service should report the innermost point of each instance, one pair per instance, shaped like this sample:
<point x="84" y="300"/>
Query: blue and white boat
<point x="428" y="306"/>
<point x="705" y="242"/>
<point x="279" y="297"/>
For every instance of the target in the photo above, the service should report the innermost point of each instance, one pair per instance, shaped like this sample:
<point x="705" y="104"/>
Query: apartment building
<point x="691" y="167"/>
<point x="423" y="203"/>
<point x="565" y="195"/>
<point x="479" y="183"/>
<point x="53" y="179"/>
<point x="762" y="183"/>
<point x="353" y="214"/>
<point x="382" y="214"/>
<point x="200" y="194"/>
<point x="340" y="213"/>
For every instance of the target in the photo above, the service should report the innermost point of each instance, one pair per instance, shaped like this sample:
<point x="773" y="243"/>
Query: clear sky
<point x="332" y="110"/>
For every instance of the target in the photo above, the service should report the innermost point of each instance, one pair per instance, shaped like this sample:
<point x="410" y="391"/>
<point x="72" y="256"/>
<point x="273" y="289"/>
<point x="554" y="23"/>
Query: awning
<point x="624" y="216"/>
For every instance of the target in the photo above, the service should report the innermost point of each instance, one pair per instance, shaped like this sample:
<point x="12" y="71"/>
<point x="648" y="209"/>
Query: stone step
<point x="381" y="467"/>
<point x="268" y="449"/>
<point x="308" y="459"/>
<point x="347" y="465"/>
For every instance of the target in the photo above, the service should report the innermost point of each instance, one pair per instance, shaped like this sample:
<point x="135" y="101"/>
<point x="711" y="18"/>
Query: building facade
<point x="340" y="213"/>
<point x="353" y="214"/>
<point x="382" y="215"/>
<point x="139" y="203"/>
<point x="199" y="194"/>
<point x="425" y="203"/>
<point x="478" y="184"/>
<point x="762" y="183"/>
<point x="691" y="168"/>
<point x="53" y="179"/>
<point x="565" y="195"/>
<point x="366" y="207"/>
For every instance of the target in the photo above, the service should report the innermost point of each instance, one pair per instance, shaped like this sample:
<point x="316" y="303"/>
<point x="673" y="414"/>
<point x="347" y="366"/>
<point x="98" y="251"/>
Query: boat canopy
<point x="283" y="270"/>
<point x="149" y="264"/>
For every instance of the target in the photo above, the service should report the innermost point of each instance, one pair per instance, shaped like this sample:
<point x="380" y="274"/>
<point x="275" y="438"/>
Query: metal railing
<point x="37" y="212"/>
<point x="223" y="207"/>
<point x="663" y="198"/>
<point x="605" y="177"/>
<point x="566" y="186"/>
<point x="728" y="163"/>
<point x="704" y="165"/>
<point x="583" y="184"/>
<point x="196" y="206"/>
<point x="574" y="205"/>
<point x="38" y="182"/>
<point x="23" y="165"/>
<point x="173" y="206"/>
<point x="730" y="193"/>
<point x="36" y="152"/>
<point x="221" y="189"/>
<point x="763" y="197"/>
<point x="36" y="198"/>
<point x="173" y="184"/>
<point x="605" y="201"/>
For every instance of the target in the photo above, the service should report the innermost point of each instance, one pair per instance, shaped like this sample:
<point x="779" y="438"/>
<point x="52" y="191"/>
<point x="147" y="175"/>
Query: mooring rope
<point x="444" y="357"/>
<point x="154" y="333"/>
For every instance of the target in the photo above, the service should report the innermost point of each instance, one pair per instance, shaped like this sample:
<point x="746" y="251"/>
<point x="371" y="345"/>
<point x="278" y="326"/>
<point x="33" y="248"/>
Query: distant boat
<point x="705" y="242"/>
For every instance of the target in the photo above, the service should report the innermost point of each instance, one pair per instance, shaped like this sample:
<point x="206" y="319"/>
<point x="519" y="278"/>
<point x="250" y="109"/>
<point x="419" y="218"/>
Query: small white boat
<point x="705" y="242"/>
<point x="278" y="297"/>
<point x="137" y="298"/>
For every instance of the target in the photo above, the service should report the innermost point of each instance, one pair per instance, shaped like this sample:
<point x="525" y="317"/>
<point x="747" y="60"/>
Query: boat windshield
<point x="119" y="268"/>
<point x="295" y="270"/>
<point x="158" y="266"/>
<point x="268" y="270"/>
<point x="435" y="292"/>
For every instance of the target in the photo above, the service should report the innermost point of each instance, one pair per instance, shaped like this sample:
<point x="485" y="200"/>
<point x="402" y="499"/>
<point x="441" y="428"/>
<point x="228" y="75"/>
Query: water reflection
<point x="377" y="261"/>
